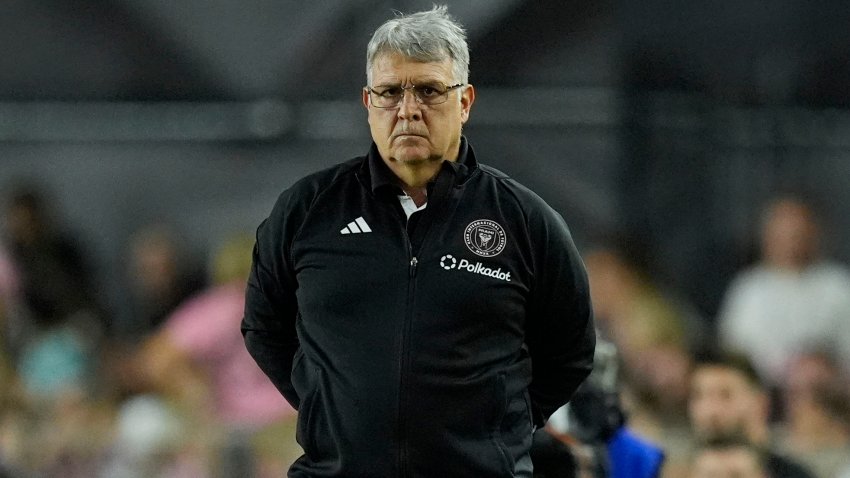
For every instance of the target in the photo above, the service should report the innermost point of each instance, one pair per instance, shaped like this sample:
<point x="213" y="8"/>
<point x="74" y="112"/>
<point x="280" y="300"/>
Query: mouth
<point x="407" y="135"/>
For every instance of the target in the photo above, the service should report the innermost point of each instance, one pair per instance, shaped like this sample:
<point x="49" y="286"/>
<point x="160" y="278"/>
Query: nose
<point x="409" y="109"/>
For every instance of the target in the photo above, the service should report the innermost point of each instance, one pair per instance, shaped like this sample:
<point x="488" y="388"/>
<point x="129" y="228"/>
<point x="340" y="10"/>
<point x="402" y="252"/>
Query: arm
<point x="270" y="303"/>
<point x="165" y="367"/>
<point x="560" y="333"/>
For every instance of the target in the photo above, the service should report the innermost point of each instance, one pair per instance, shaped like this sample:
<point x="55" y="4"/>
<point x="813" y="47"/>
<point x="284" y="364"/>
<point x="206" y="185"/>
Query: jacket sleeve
<point x="271" y="307"/>
<point x="560" y="333"/>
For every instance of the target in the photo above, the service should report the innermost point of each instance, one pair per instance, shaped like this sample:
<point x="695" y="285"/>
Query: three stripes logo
<point x="356" y="226"/>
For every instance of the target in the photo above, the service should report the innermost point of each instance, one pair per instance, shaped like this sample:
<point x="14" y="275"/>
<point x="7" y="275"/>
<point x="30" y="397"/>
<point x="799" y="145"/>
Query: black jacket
<point x="424" y="347"/>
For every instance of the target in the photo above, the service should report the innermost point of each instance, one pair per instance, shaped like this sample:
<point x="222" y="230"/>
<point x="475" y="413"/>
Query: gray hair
<point x="429" y="36"/>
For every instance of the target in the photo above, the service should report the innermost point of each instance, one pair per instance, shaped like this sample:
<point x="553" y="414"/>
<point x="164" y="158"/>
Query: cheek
<point x="697" y="409"/>
<point x="380" y="125"/>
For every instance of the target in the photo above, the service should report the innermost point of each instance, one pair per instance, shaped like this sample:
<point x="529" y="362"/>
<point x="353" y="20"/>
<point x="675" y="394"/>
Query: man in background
<point x="791" y="301"/>
<point x="729" y="401"/>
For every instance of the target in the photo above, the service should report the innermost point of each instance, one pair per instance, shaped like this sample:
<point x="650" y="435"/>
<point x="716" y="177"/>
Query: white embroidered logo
<point x="356" y="226"/>
<point x="485" y="238"/>
<point x="448" y="262"/>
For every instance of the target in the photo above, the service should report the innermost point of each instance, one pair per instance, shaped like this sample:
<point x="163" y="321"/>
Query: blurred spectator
<point x="629" y="309"/>
<point x="8" y="292"/>
<point x="9" y="398"/>
<point x="55" y="281"/>
<point x="9" y="389"/>
<point x="160" y="278"/>
<point x="8" y="282"/>
<point x="55" y="362"/>
<point x="63" y="437"/>
<point x="591" y="433"/>
<point x="729" y="458"/>
<point x="790" y="301"/>
<point x="198" y="357"/>
<point x="652" y="335"/>
<point x="150" y="442"/>
<point x="817" y="413"/>
<point x="52" y="335"/>
<point x="12" y="426"/>
<point x="729" y="401"/>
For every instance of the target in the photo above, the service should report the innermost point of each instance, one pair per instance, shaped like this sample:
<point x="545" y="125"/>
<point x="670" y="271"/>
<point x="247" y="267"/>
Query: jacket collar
<point x="377" y="176"/>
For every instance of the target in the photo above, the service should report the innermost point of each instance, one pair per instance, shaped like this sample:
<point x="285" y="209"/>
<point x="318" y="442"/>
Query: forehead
<point x="711" y="377"/>
<point x="395" y="69"/>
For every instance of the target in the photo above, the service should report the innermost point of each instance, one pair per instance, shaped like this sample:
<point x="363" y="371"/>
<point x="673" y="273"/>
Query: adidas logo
<point x="356" y="227"/>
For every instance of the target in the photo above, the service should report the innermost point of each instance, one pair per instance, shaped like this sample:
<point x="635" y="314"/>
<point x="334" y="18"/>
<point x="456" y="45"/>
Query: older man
<point x="423" y="312"/>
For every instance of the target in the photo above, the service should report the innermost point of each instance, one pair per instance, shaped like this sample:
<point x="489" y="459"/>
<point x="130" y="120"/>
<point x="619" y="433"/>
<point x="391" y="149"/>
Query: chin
<point x="413" y="156"/>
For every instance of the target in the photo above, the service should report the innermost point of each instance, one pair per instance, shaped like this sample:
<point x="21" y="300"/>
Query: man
<point x="423" y="312"/>
<point x="729" y="401"/>
<point x="816" y="413"/>
<point x="792" y="300"/>
<point x="729" y="458"/>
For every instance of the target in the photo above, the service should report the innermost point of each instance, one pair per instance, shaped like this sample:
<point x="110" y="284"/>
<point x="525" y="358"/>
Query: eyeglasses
<point x="425" y="94"/>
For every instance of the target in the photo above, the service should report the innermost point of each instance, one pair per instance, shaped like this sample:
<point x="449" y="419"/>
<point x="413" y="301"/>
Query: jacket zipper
<point x="404" y="359"/>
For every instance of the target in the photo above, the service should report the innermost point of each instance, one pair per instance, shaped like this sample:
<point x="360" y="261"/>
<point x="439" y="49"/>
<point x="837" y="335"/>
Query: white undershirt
<point x="409" y="206"/>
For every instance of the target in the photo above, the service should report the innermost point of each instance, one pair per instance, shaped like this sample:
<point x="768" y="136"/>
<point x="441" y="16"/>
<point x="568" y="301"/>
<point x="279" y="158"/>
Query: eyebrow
<point x="424" y="81"/>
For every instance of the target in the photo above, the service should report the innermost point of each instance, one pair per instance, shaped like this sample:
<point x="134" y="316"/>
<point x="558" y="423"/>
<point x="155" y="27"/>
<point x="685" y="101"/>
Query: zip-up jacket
<point x="422" y="347"/>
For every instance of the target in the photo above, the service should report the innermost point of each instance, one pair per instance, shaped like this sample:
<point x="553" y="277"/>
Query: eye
<point x="428" y="91"/>
<point x="390" y="92"/>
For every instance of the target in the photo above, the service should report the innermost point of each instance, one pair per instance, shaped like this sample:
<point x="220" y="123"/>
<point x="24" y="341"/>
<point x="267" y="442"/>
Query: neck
<point x="414" y="176"/>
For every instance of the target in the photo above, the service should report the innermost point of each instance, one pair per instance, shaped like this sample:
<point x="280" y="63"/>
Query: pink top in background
<point x="206" y="328"/>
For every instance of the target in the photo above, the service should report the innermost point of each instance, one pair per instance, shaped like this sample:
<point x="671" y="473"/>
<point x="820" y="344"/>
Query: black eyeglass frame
<point x="419" y="99"/>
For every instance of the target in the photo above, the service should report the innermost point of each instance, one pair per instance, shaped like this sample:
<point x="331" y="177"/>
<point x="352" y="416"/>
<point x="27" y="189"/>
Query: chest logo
<point x="485" y="238"/>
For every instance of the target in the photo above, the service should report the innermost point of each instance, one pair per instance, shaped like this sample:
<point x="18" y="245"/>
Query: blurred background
<point x="142" y="140"/>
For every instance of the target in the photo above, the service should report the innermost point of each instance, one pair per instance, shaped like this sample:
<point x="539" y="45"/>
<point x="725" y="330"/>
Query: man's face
<point x="723" y="403"/>
<point x="790" y="235"/>
<point x="727" y="463"/>
<point x="412" y="132"/>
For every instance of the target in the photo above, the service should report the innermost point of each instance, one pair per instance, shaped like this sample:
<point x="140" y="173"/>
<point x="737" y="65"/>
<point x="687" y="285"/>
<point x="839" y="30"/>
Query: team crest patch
<point x="485" y="237"/>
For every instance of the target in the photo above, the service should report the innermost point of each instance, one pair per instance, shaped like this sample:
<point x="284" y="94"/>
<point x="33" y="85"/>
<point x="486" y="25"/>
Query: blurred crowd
<point x="760" y="390"/>
<point x="161" y="385"/>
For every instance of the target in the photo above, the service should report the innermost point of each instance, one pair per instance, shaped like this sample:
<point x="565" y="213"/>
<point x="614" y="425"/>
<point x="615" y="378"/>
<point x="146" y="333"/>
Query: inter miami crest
<point x="485" y="237"/>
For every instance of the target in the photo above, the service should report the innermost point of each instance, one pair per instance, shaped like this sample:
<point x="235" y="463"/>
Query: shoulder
<point x="303" y="193"/>
<point x="753" y="277"/>
<point x="832" y="271"/>
<point x="510" y="190"/>
<point x="779" y="465"/>
<point x="315" y="183"/>
<point x="545" y="231"/>
<point x="294" y="204"/>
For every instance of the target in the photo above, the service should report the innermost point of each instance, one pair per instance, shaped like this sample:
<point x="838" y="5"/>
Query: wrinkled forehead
<point x="395" y="68"/>
<point x="421" y="50"/>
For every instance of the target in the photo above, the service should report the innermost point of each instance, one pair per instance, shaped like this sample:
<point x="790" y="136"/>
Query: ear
<point x="467" y="97"/>
<point x="364" y="96"/>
